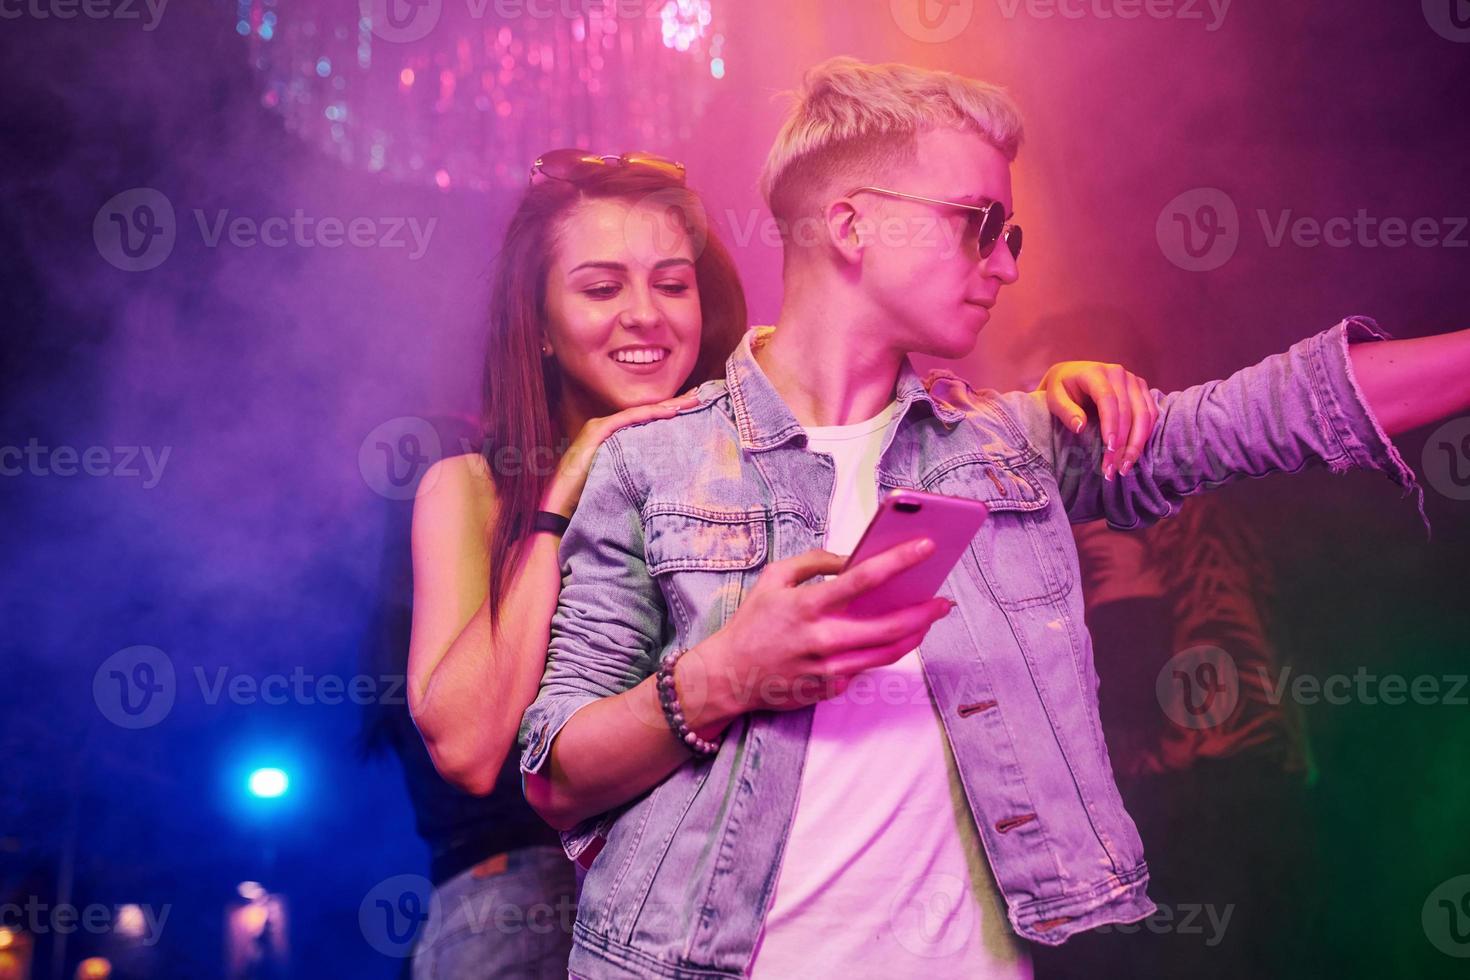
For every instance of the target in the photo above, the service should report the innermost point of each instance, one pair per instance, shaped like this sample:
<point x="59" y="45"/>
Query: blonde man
<point x="779" y="789"/>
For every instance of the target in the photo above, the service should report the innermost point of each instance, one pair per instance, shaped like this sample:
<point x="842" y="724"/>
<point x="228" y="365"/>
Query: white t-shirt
<point x="884" y="875"/>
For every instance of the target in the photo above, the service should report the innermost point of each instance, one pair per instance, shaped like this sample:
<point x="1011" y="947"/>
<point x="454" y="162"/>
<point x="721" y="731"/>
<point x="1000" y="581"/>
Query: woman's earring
<point x="545" y="350"/>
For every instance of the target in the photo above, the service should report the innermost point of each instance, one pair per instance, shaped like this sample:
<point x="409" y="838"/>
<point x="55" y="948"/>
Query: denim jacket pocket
<point x="1018" y="552"/>
<point x="702" y="560"/>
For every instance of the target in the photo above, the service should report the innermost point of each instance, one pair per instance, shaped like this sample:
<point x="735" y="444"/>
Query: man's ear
<point x="848" y="231"/>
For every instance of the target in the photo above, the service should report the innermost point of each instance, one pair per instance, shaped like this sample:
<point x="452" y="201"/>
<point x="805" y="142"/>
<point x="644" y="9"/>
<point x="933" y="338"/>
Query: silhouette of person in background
<point x="1215" y="771"/>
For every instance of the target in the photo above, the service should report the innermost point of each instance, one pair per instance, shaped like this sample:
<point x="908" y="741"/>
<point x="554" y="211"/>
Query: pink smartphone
<point x="905" y="515"/>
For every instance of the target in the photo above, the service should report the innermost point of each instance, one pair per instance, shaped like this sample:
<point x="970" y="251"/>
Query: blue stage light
<point x="269" y="783"/>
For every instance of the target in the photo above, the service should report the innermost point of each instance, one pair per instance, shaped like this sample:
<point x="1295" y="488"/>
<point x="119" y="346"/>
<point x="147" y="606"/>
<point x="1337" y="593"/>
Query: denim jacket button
<point x="966" y="710"/>
<point x="1011" y="823"/>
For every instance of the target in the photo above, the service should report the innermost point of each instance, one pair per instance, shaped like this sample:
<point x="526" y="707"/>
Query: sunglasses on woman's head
<point x="579" y="165"/>
<point x="985" y="223"/>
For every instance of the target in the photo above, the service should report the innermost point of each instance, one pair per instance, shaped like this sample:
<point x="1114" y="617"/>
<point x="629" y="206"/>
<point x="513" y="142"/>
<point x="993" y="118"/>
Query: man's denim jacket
<point x="680" y="515"/>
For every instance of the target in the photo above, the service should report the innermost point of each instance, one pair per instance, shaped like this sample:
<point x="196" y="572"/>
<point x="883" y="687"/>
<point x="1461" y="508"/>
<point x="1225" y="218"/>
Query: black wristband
<point x="547" y="521"/>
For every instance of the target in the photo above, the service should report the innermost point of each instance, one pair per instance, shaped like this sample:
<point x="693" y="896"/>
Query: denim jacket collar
<point x="762" y="417"/>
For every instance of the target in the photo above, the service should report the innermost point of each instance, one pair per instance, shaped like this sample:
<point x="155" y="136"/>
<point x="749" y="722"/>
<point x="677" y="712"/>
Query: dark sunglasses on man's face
<point x="985" y="223"/>
<point x="579" y="165"/>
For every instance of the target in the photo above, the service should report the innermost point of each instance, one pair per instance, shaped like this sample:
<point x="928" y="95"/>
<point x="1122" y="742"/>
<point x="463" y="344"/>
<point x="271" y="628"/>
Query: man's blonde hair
<point x="851" y="122"/>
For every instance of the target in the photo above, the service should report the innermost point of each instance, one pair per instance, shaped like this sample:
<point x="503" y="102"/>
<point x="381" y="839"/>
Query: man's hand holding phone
<point x="790" y="645"/>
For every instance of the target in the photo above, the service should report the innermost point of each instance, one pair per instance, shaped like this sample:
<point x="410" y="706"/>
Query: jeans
<point x="509" y="917"/>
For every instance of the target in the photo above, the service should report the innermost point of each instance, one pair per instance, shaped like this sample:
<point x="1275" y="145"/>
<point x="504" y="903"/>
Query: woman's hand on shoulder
<point x="1126" y="411"/>
<point x="571" y="473"/>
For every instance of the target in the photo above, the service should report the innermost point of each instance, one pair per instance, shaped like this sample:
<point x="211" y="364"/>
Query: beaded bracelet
<point x="668" y="697"/>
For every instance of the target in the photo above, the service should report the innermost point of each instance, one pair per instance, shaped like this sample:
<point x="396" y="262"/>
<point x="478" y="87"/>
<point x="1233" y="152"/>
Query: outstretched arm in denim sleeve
<point x="1276" y="416"/>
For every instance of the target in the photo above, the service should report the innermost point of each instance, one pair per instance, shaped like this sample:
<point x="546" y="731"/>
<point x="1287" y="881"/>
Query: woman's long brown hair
<point x="522" y="392"/>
